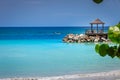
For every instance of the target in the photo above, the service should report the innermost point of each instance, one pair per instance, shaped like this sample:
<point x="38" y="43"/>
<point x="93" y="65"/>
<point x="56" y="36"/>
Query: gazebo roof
<point x="97" y="21"/>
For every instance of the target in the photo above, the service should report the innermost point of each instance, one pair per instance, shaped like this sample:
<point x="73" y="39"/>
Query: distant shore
<point x="111" y="75"/>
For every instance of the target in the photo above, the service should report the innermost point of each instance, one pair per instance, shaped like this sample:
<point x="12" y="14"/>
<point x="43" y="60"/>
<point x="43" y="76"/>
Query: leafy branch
<point x="114" y="50"/>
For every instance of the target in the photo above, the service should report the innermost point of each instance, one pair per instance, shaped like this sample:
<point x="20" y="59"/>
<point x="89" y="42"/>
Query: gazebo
<point x="93" y="32"/>
<point x="97" y="22"/>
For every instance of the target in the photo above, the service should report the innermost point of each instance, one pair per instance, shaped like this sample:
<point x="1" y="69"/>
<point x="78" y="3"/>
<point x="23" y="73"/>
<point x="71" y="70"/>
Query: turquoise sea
<point x="40" y="52"/>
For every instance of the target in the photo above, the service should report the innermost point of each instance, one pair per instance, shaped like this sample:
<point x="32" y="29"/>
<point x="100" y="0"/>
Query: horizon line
<point x="48" y="26"/>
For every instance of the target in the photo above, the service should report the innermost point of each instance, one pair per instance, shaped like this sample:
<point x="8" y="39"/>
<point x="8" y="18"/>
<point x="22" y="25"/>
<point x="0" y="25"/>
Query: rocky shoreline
<point x="80" y="38"/>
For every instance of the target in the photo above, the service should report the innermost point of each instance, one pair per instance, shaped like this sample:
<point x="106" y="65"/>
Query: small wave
<point x="58" y="33"/>
<point x="110" y="74"/>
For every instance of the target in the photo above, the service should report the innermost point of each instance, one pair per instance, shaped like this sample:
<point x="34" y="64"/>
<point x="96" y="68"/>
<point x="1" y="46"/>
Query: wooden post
<point x="103" y="27"/>
<point x="91" y="27"/>
<point x="97" y="28"/>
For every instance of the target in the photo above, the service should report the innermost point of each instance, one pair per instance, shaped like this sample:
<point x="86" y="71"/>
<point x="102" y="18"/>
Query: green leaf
<point x="118" y="25"/>
<point x="97" y="48"/>
<point x="111" y="52"/>
<point x="118" y="55"/>
<point x="119" y="49"/>
<point x="98" y="1"/>
<point x="118" y="52"/>
<point x="103" y="49"/>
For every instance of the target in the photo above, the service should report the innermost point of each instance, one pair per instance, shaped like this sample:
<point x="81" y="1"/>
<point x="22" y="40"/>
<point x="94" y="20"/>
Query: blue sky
<point x="57" y="12"/>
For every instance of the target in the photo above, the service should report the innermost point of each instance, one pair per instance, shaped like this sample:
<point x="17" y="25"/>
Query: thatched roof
<point x="97" y="21"/>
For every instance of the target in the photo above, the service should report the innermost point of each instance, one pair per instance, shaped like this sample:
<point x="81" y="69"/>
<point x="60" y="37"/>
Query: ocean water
<point x="14" y="33"/>
<point x="40" y="52"/>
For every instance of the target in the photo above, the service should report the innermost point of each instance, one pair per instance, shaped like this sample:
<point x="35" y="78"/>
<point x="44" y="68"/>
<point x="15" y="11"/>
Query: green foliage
<point x="114" y="34"/>
<point x="112" y="51"/>
<point x="103" y="49"/>
<point x="98" y="1"/>
<point x="118" y="25"/>
<point x="97" y="48"/>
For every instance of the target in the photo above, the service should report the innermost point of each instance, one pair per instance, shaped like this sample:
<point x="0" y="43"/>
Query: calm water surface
<point x="27" y="55"/>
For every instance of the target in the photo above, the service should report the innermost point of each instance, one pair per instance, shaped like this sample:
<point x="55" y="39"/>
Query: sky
<point x="57" y="12"/>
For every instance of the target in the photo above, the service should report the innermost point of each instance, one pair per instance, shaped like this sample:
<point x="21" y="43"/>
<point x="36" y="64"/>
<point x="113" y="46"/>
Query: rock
<point x="88" y="40"/>
<point x="70" y="41"/>
<point x="75" y="37"/>
<point x="79" y="41"/>
<point x="82" y="36"/>
<point x="103" y="38"/>
<point x="83" y="40"/>
<point x="78" y="38"/>
<point x="100" y="40"/>
<point x="92" y="38"/>
<point x="70" y="36"/>
<point x="65" y="39"/>
<point x="96" y="40"/>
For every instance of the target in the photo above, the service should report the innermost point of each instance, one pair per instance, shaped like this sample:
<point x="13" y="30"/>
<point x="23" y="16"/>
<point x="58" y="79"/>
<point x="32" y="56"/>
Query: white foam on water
<point x="115" y="73"/>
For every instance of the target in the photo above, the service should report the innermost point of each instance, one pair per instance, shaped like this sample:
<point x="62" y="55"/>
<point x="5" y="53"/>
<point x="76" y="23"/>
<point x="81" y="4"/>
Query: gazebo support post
<point x="97" y="28"/>
<point x="91" y="27"/>
<point x="103" y="27"/>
